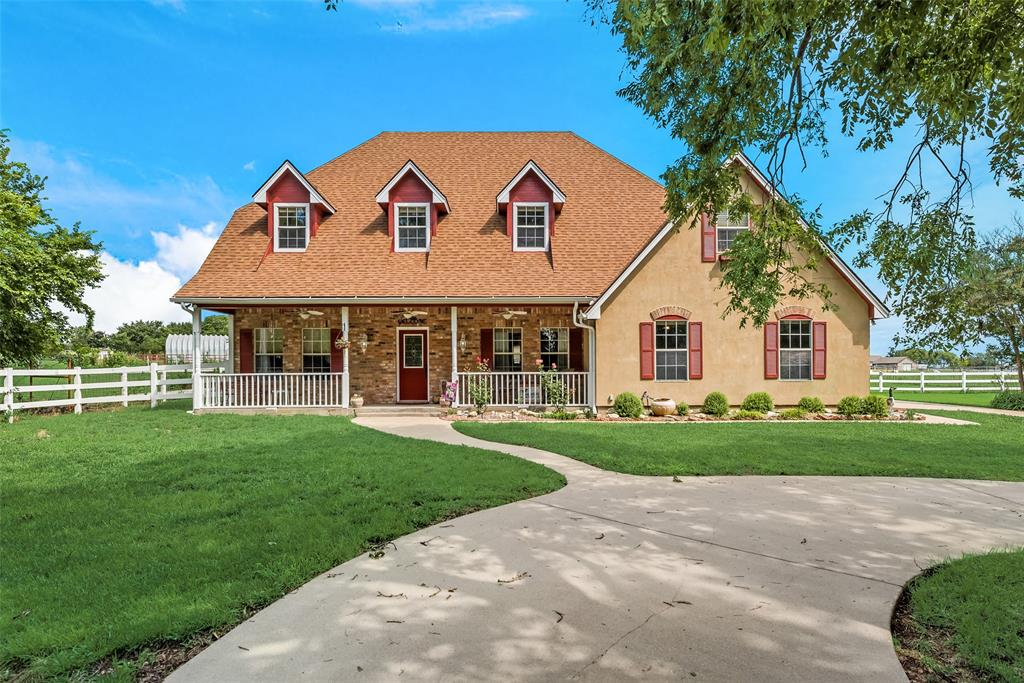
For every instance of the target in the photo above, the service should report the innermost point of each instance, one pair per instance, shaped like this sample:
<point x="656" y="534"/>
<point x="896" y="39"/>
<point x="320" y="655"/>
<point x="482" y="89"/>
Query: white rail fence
<point x="962" y="381"/>
<point x="79" y="387"/>
<point x="274" y="390"/>
<point x="521" y="388"/>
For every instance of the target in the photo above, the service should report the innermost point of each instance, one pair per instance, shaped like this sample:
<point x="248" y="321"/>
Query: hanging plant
<point x="341" y="342"/>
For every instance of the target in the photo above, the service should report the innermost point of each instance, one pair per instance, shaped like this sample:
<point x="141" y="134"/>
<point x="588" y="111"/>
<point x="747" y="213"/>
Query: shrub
<point x="588" y="413"/>
<point x="682" y="408"/>
<point x="715" y="403"/>
<point x="627" y="404"/>
<point x="850" y="406"/>
<point x="743" y="414"/>
<point x="562" y="414"/>
<point x="759" y="401"/>
<point x="793" y="414"/>
<point x="812" y="404"/>
<point x="1008" y="400"/>
<point x="874" y="405"/>
<point x="119" y="359"/>
<point x="555" y="390"/>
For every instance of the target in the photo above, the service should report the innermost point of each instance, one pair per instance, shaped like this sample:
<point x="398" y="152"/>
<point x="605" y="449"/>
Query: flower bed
<point x="539" y="415"/>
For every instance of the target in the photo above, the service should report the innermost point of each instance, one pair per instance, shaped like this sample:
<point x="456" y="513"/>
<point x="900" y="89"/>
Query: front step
<point x="415" y="410"/>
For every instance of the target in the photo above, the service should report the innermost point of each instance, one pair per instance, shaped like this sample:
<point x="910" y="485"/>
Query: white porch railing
<point x="522" y="388"/>
<point x="274" y="390"/>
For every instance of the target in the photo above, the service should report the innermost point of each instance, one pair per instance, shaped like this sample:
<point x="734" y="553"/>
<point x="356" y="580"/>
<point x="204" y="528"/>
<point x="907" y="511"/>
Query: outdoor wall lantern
<point x="462" y="343"/>
<point x="363" y="343"/>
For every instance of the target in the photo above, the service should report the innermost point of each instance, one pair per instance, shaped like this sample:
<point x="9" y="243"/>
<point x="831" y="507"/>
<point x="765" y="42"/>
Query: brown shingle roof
<point x="610" y="213"/>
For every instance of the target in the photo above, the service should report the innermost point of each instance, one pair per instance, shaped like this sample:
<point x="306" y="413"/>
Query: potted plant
<point x="356" y="401"/>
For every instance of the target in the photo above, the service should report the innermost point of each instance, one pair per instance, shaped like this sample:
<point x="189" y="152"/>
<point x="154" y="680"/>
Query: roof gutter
<point x="368" y="300"/>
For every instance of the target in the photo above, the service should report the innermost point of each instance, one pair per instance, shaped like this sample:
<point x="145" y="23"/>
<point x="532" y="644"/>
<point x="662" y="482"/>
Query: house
<point x="893" y="364"/>
<point x="389" y="270"/>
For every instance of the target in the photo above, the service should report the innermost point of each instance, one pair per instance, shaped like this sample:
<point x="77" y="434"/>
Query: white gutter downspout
<point x="577" y="320"/>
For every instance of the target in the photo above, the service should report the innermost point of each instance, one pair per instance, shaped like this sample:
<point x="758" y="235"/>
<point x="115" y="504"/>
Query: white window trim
<point x="426" y="207"/>
<point x="728" y="227"/>
<point x="511" y="354"/>
<point x="778" y="346"/>
<point x="276" y="225"/>
<point x="322" y="354"/>
<point x="515" y="225"/>
<point x="686" y="350"/>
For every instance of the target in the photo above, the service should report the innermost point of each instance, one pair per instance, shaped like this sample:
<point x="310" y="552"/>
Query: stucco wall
<point x="733" y="358"/>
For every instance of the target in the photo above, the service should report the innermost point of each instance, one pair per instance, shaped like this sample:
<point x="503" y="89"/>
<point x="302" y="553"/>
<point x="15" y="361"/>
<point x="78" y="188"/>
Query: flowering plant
<point x="480" y="387"/>
<point x="341" y="343"/>
<point x="555" y="390"/>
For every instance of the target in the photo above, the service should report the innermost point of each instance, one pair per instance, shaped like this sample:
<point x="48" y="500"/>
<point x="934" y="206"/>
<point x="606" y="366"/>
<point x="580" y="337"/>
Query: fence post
<point x="881" y="382"/>
<point x="124" y="387"/>
<point x="922" y="380"/>
<point x="78" y="389"/>
<point x="963" y="380"/>
<point x="9" y="394"/>
<point x="152" y="385"/>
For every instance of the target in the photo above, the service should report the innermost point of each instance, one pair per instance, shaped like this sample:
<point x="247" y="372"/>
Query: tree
<point x="730" y="75"/>
<point x="940" y="357"/>
<point x="140" y="336"/>
<point x="215" y="324"/>
<point x="45" y="268"/>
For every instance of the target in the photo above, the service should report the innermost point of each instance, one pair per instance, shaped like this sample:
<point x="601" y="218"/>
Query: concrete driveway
<point x="617" y="577"/>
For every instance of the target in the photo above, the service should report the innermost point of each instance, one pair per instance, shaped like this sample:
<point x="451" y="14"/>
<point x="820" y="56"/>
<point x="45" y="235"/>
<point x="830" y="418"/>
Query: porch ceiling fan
<point x="408" y="314"/>
<point x="305" y="315"/>
<point x="508" y="314"/>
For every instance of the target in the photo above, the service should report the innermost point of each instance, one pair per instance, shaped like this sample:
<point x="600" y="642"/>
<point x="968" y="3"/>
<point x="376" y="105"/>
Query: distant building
<point x="893" y="364"/>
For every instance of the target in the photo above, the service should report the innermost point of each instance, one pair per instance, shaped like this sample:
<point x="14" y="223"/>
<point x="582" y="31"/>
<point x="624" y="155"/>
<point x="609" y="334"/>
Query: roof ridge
<point x="612" y="156"/>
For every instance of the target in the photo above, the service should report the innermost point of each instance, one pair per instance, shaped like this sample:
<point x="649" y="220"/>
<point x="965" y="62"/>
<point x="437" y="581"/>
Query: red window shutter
<point x="771" y="350"/>
<point x="337" y="355"/>
<point x="246" y="351"/>
<point x="575" y="348"/>
<point x="708" y="241"/>
<point x="487" y="346"/>
<point x="820" y="342"/>
<point x="646" y="350"/>
<point x="696" y="351"/>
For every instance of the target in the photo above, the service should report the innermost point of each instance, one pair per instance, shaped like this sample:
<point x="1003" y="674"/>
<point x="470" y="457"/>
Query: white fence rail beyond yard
<point x="962" y="381"/>
<point x="77" y="387"/>
<point x="521" y="388"/>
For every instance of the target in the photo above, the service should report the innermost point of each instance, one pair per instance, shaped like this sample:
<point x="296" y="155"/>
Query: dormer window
<point x="291" y="227"/>
<point x="294" y="207"/>
<point x="727" y="229"/>
<point x="530" y="201"/>
<point x="531" y="226"/>
<point x="412" y="227"/>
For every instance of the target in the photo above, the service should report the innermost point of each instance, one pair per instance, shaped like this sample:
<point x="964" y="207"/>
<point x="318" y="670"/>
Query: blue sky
<point x="154" y="120"/>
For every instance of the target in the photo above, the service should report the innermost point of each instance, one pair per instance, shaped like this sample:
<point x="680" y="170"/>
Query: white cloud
<point x="133" y="291"/>
<point x="79" y="191"/>
<point x="142" y="291"/>
<point x="178" y="5"/>
<point x="182" y="253"/>
<point x="249" y="166"/>
<point x="412" y="16"/>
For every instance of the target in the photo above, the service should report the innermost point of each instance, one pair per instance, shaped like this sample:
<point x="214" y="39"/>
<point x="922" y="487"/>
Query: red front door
<point x="412" y="365"/>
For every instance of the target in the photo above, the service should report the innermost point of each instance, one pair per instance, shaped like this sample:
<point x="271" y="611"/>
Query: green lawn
<point x="974" y="398"/>
<point x="966" y="618"/>
<point x="994" y="450"/>
<point x="127" y="527"/>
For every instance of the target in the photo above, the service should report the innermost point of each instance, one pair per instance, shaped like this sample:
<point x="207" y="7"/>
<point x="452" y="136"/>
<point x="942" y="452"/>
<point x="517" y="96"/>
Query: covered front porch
<point x="340" y="357"/>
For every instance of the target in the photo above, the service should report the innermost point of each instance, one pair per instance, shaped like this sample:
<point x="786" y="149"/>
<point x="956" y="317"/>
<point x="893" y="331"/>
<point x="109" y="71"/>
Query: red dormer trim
<point x="288" y="185"/>
<point x="411" y="185"/>
<point x="530" y="185"/>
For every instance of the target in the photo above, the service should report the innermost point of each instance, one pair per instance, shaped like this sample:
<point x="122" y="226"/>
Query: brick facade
<point x="373" y="374"/>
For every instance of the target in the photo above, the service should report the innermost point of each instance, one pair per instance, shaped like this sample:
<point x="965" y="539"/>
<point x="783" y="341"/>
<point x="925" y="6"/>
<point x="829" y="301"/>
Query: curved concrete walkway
<point x="921" y="405"/>
<point x="617" y="577"/>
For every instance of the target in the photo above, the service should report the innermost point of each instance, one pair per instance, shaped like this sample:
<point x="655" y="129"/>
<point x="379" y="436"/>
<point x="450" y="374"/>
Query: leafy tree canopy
<point x="731" y="75"/>
<point x="140" y="336"/>
<point x="933" y="357"/>
<point x="45" y="268"/>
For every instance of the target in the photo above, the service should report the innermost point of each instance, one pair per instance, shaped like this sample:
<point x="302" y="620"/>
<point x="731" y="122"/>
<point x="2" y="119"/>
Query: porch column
<point x="229" y="366"/>
<point x="455" y="351"/>
<point x="344" y="370"/>
<point x="197" y="357"/>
